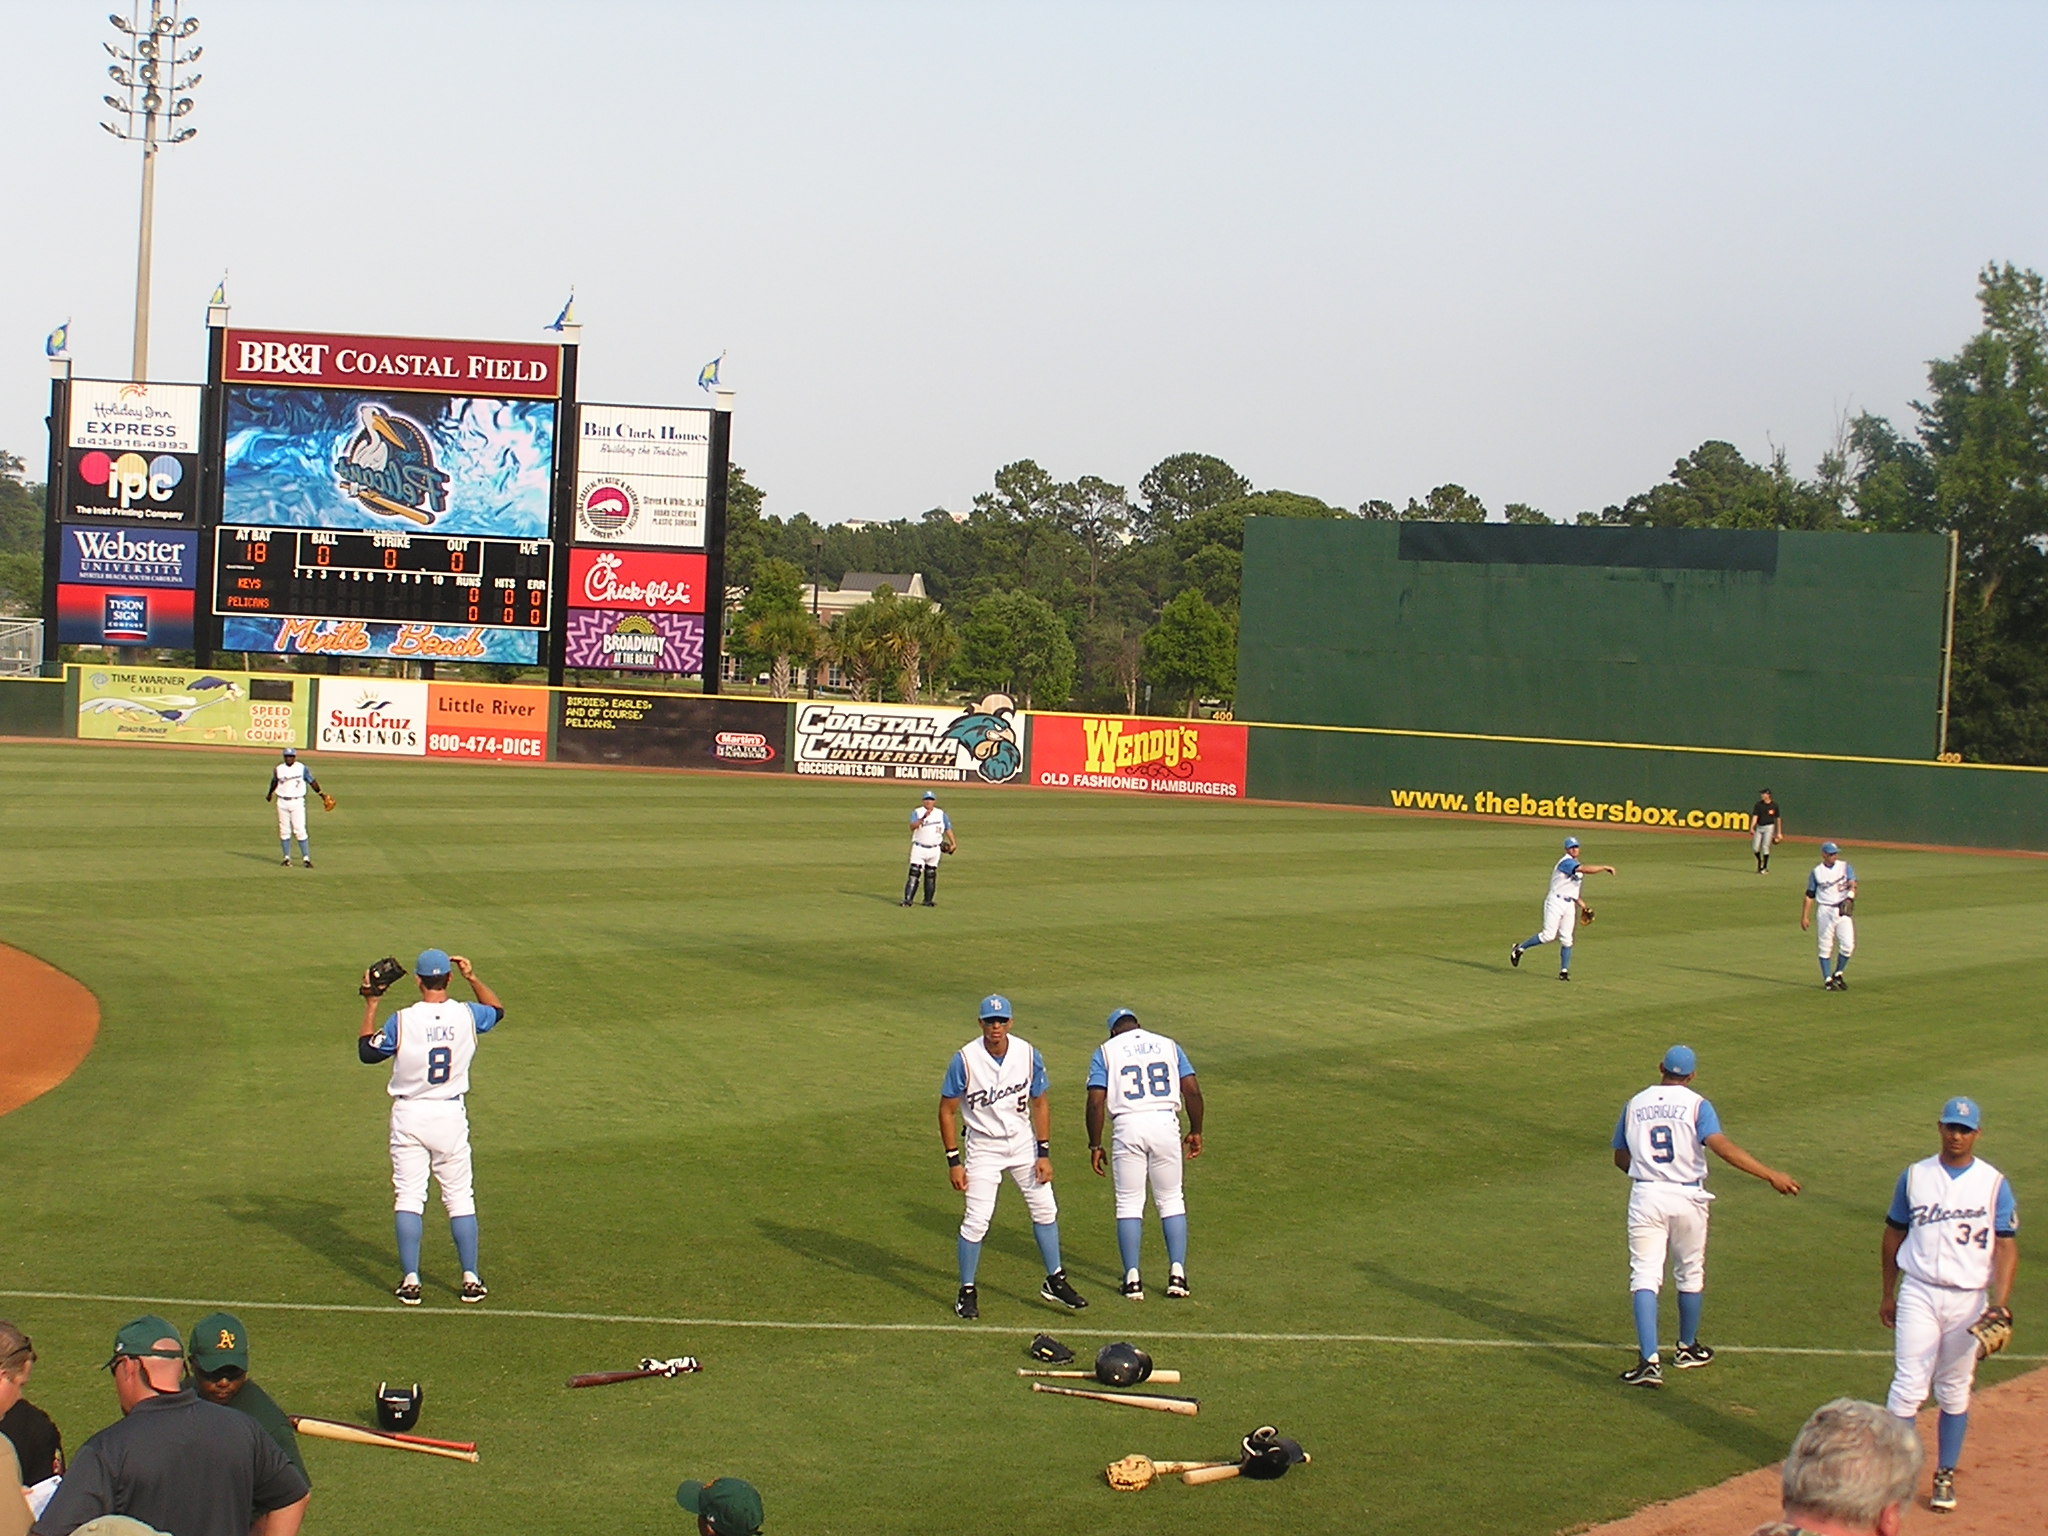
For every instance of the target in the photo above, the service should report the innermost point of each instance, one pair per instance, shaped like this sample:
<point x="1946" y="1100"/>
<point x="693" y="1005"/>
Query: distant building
<point x="855" y="588"/>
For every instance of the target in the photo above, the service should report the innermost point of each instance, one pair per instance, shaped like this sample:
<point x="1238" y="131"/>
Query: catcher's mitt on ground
<point x="1049" y="1349"/>
<point x="1585" y="913"/>
<point x="1135" y="1472"/>
<point x="378" y="979"/>
<point x="327" y="800"/>
<point x="1993" y="1331"/>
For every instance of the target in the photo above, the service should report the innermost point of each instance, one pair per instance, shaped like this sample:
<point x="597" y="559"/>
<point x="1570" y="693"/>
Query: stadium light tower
<point x="150" y="66"/>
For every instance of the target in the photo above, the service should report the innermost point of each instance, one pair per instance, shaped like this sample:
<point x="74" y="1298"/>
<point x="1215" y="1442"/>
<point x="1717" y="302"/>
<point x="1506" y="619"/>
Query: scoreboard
<point x="405" y="578"/>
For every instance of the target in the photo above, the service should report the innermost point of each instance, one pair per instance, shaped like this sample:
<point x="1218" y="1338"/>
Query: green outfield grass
<point x="714" y="1099"/>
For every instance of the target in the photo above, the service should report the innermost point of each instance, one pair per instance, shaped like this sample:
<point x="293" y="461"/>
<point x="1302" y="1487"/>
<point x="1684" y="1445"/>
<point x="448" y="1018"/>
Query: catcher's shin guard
<point x="910" y="886"/>
<point x="931" y="882"/>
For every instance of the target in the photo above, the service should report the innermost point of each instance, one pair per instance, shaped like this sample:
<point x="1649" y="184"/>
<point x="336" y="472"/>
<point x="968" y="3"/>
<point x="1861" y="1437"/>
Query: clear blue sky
<point x="1357" y="250"/>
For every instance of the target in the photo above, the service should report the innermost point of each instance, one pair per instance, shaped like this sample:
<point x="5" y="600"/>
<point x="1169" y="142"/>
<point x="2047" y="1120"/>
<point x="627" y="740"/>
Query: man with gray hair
<point x="1851" y="1472"/>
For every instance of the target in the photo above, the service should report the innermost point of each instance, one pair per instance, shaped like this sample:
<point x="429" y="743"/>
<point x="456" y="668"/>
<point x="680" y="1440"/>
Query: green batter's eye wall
<point x="1826" y="643"/>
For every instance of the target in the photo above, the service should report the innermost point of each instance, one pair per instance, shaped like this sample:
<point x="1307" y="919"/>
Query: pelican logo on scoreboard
<point x="388" y="467"/>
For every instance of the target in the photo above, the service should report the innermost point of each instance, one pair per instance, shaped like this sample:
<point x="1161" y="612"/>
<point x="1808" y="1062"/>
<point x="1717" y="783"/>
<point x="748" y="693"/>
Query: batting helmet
<point x="1122" y="1365"/>
<point x="397" y="1409"/>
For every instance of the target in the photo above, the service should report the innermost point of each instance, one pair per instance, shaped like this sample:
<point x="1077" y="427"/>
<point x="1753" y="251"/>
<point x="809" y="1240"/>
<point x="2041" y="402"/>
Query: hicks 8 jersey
<point x="431" y="1045"/>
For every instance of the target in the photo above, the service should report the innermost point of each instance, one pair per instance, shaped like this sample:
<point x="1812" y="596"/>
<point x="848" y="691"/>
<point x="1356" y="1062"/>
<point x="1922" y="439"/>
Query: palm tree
<point x="924" y="645"/>
<point x="784" y="636"/>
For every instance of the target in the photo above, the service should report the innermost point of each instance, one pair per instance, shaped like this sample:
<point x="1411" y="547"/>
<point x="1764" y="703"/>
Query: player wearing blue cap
<point x="1831" y="889"/>
<point x="1661" y="1142"/>
<point x="997" y="1086"/>
<point x="429" y="1046"/>
<point x="931" y="834"/>
<point x="1561" y="908"/>
<point x="1951" y="1244"/>
<point x="289" y="781"/>
<point x="1139" y="1080"/>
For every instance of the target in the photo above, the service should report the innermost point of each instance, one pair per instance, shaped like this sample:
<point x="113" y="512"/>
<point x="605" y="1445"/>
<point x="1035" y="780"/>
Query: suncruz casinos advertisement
<point x="132" y="454"/>
<point x="393" y="718"/>
<point x="641" y="473"/>
<point x="672" y="730"/>
<point x="126" y="586"/>
<point x="634" y="609"/>
<point x="239" y="709"/>
<point x="1161" y="757"/>
<point x="982" y="744"/>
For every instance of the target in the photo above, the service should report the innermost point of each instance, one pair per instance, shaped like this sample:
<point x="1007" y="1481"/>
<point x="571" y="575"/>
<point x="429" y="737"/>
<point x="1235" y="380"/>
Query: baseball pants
<point x="1667" y="1219"/>
<point x="1761" y="839"/>
<point x="291" y="817"/>
<point x="431" y="1136"/>
<point x="1836" y="929"/>
<point x="985" y="1172"/>
<point x="1560" y="920"/>
<point x="925" y="858"/>
<point x="1146" y="1148"/>
<point x="1933" y="1347"/>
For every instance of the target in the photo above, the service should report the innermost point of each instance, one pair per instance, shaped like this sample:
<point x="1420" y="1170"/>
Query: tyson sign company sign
<point x="503" y="370"/>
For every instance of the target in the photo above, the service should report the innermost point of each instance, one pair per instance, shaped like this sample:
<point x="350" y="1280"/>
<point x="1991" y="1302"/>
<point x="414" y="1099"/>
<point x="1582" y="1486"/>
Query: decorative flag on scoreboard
<point x="59" y="341"/>
<point x="707" y="376"/>
<point x="568" y="315"/>
<point x="220" y="293"/>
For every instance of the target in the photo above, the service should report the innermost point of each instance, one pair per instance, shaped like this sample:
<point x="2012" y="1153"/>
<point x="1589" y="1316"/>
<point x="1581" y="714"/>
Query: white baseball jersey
<point x="1954" y="1222"/>
<point x="431" y="1045"/>
<point x="290" y="779"/>
<point x="995" y="1096"/>
<point x="1565" y="880"/>
<point x="1829" y="886"/>
<point x="929" y="832"/>
<point x="1141" y="1072"/>
<point x="1665" y="1129"/>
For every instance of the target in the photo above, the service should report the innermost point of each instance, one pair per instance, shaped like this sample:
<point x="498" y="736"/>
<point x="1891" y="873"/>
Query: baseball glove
<point x="1049" y="1349"/>
<point x="327" y="800"/>
<point x="382" y="975"/>
<point x="1993" y="1331"/>
<point x="1130" y="1474"/>
<point x="949" y="843"/>
<point x="1585" y="913"/>
<point x="1848" y="906"/>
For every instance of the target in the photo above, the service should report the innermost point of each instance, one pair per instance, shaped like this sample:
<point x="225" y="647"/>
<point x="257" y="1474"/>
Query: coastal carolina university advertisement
<point x="228" y="709"/>
<point x="391" y="717"/>
<point x="943" y="743"/>
<point x="1160" y="757"/>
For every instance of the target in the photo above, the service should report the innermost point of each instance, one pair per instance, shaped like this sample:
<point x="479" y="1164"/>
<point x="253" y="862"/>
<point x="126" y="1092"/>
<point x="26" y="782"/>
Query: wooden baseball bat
<point x="1216" y="1474"/>
<point x="1189" y="1406"/>
<point x="449" y="1445"/>
<point x="682" y="1366"/>
<point x="1170" y="1378"/>
<point x="332" y="1429"/>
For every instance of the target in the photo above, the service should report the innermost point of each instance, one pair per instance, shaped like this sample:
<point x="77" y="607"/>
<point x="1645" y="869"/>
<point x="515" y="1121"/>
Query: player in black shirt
<point x="1766" y="826"/>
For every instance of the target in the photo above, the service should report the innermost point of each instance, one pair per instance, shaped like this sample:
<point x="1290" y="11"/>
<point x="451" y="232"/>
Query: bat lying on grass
<point x="335" y="1429"/>
<point x="1189" y="1406"/>
<point x="682" y="1365"/>
<point x="1134" y="1473"/>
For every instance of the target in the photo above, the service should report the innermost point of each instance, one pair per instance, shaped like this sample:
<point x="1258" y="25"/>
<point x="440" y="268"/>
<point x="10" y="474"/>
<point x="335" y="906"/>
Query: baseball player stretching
<point x="429" y="1046"/>
<point x="1661" y="1143"/>
<point x="1953" y="1229"/>
<point x="1561" y="909"/>
<point x="1832" y="888"/>
<point x="289" y="781"/>
<point x="997" y="1084"/>
<point x="929" y="828"/>
<point x="1140" y="1080"/>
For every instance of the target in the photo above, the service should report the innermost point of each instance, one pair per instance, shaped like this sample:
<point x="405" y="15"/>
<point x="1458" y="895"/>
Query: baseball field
<point x="707" y="1127"/>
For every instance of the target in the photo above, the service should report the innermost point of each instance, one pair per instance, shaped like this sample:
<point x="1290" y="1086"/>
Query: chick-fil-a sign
<point x="647" y="580"/>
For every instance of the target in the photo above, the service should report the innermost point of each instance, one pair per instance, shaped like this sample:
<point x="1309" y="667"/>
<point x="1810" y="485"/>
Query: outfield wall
<point x="1531" y="778"/>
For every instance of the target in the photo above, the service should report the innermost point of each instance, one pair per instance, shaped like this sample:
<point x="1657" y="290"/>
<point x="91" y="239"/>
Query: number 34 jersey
<point x="1141" y="1072"/>
<point x="430" y="1046"/>
<point x="1950" y="1218"/>
<point x="1664" y="1130"/>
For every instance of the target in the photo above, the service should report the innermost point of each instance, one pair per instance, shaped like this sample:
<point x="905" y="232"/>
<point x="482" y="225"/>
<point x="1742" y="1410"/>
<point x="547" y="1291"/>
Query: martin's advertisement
<point x="132" y="454"/>
<point x="981" y="744"/>
<point x="672" y="730"/>
<point x="641" y="475"/>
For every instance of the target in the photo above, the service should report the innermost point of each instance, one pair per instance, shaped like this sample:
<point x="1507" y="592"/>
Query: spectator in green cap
<point x="219" y="1354"/>
<point x="725" y="1506"/>
<point x="173" y="1461"/>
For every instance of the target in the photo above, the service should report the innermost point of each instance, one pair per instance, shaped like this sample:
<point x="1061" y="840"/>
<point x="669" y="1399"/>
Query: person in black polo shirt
<point x="36" y="1440"/>
<point x="220" y="1374"/>
<point x="1766" y="826"/>
<point x="174" y="1462"/>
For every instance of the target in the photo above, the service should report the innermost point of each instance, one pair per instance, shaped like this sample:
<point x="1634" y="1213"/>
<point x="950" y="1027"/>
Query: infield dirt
<point x="47" y="1024"/>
